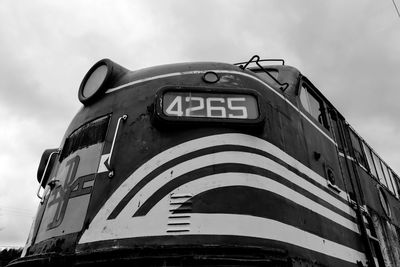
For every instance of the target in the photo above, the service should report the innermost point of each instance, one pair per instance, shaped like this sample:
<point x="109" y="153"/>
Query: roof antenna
<point x="256" y="59"/>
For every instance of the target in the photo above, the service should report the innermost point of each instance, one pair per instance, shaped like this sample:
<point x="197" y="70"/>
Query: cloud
<point x="355" y="59"/>
<point x="350" y="50"/>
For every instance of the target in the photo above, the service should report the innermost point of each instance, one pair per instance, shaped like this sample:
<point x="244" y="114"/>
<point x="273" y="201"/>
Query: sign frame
<point x="159" y="115"/>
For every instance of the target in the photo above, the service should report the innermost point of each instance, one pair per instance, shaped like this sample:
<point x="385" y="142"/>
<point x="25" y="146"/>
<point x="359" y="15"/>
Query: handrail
<point x="44" y="173"/>
<point x="256" y="59"/>
<point x="359" y="198"/>
<point x="260" y="60"/>
<point x="108" y="165"/>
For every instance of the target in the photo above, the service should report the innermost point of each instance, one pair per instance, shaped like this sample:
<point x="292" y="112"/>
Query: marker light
<point x="210" y="77"/>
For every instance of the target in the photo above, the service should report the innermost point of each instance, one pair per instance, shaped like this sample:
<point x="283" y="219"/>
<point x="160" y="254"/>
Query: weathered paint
<point x="180" y="187"/>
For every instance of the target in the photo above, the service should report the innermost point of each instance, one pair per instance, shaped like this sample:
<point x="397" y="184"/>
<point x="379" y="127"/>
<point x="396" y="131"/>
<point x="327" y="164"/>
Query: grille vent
<point x="180" y="209"/>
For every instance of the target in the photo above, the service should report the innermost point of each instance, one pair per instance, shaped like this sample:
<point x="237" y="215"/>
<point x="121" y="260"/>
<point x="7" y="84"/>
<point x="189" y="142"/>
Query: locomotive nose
<point x="201" y="164"/>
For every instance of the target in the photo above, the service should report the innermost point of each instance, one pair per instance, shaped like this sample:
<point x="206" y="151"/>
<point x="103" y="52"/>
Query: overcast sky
<point x="349" y="49"/>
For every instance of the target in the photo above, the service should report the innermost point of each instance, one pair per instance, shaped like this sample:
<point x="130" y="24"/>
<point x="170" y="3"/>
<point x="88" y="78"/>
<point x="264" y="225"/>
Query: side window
<point x="358" y="153"/>
<point x="379" y="170"/>
<point x="312" y="104"/>
<point x="339" y="137"/>
<point x="89" y="134"/>
<point x="386" y="171"/>
<point x="371" y="164"/>
<point x="396" y="182"/>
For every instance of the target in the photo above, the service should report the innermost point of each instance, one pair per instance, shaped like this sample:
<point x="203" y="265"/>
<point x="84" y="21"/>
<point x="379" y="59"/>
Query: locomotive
<point x="207" y="163"/>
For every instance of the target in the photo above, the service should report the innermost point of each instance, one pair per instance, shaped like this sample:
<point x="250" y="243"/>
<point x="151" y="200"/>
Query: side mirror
<point x="46" y="165"/>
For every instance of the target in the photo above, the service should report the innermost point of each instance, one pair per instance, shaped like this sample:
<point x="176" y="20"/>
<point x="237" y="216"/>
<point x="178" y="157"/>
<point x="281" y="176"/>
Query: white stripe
<point x="228" y="224"/>
<point x="224" y="139"/>
<point x="154" y="222"/>
<point x="210" y="141"/>
<point x="123" y="221"/>
<point x="154" y="78"/>
<point x="244" y="179"/>
<point x="223" y="71"/>
<point x="102" y="166"/>
<point x="362" y="167"/>
<point x="240" y="158"/>
<point x="348" y="157"/>
<point x="352" y="159"/>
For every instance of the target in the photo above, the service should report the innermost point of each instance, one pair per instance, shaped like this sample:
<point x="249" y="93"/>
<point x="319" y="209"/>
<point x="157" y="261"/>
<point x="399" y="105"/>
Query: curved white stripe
<point x="154" y="78"/>
<point x="210" y="141"/>
<point x="227" y="179"/>
<point x="215" y="140"/>
<point x="147" y="191"/>
<point x="228" y="224"/>
<point x="155" y="222"/>
<point x="229" y="157"/>
<point x="230" y="72"/>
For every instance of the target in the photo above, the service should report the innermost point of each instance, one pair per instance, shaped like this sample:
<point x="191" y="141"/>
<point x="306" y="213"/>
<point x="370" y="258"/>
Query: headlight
<point x="98" y="79"/>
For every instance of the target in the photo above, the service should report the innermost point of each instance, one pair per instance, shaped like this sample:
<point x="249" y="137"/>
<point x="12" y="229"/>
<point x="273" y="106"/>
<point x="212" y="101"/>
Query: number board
<point x="218" y="105"/>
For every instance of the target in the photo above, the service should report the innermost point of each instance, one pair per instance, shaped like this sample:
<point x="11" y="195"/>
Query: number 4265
<point x="212" y="107"/>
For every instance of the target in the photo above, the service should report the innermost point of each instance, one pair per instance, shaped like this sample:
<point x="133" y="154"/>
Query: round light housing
<point x="210" y="77"/>
<point x="95" y="81"/>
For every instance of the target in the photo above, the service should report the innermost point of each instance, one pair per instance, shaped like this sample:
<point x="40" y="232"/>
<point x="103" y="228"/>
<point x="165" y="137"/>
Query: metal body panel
<point x="67" y="203"/>
<point x="202" y="191"/>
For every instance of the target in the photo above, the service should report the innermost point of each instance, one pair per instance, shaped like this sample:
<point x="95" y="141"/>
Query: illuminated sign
<point x="216" y="106"/>
<point x="210" y="105"/>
